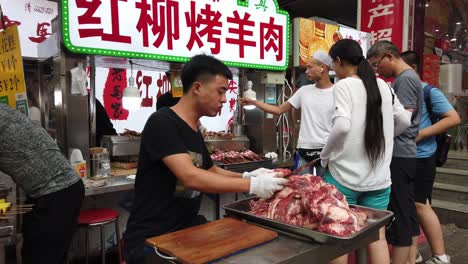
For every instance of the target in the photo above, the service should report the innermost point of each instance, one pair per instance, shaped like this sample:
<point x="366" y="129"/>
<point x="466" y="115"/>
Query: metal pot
<point x="238" y="129"/>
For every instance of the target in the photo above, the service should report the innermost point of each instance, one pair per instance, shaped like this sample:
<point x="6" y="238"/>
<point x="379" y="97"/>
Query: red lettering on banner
<point x="41" y="32"/>
<point x="273" y="34"/>
<point x="165" y="22"/>
<point x="211" y="20"/>
<point x="163" y="84"/>
<point x="113" y="89"/>
<point x="232" y="87"/>
<point x="89" y="18"/>
<point x="147" y="101"/>
<point x="380" y="10"/>
<point x="9" y="23"/>
<point x="240" y="31"/>
<point x="381" y="34"/>
<point x="383" y="19"/>
<point x="232" y="104"/>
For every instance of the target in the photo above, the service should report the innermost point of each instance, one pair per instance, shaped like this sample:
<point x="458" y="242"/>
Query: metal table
<point x="286" y="249"/>
<point x="114" y="184"/>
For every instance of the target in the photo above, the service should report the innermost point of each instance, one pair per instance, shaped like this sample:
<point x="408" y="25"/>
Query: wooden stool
<point x="99" y="217"/>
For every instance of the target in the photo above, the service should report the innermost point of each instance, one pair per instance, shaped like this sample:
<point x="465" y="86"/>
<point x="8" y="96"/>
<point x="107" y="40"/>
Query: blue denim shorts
<point x="378" y="199"/>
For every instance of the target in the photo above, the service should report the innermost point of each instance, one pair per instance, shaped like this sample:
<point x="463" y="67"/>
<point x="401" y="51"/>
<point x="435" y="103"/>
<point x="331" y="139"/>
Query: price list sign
<point x="12" y="85"/>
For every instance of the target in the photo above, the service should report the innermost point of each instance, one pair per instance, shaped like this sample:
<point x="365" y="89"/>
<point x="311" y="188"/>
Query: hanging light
<point x="131" y="99"/>
<point x="249" y="93"/>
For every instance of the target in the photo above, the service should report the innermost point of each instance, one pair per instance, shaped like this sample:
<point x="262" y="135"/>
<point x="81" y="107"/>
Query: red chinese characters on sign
<point x="383" y="19"/>
<point x="89" y="18"/>
<point x="163" y="85"/>
<point x="147" y="101"/>
<point x="239" y="28"/>
<point x="116" y="82"/>
<point x="272" y="34"/>
<point x="41" y="32"/>
<point x="232" y="104"/>
<point x="232" y="87"/>
<point x="164" y="21"/>
<point x="8" y="22"/>
<point x="212" y="27"/>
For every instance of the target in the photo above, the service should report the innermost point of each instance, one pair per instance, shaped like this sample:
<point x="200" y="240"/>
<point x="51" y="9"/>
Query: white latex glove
<point x="265" y="186"/>
<point x="257" y="172"/>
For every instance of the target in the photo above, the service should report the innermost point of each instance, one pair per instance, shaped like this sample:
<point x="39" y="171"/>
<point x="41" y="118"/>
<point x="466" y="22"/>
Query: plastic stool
<point x="99" y="217"/>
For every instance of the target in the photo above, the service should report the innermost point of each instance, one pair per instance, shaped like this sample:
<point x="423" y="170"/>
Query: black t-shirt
<point x="159" y="207"/>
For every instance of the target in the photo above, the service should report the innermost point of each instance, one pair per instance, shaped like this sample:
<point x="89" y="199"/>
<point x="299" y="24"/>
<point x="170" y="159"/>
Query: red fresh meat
<point x="283" y="171"/>
<point x="230" y="157"/>
<point x="310" y="202"/>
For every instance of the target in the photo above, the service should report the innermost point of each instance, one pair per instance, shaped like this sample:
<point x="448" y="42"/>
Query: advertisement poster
<point x="12" y="84"/>
<point x="312" y="35"/>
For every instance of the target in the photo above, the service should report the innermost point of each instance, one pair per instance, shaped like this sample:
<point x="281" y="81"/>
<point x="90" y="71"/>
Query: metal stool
<point x="99" y="217"/>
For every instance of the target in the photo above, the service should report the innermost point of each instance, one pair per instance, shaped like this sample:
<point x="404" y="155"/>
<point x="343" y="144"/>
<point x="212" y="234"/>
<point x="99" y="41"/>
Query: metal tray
<point x="376" y="219"/>
<point x="247" y="166"/>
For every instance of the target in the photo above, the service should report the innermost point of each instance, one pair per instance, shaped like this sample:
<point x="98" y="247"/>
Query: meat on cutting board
<point x="310" y="202"/>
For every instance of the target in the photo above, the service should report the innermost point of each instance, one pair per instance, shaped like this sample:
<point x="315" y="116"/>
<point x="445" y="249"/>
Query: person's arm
<point x="449" y="119"/>
<point x="272" y="109"/>
<point x="441" y="107"/>
<point x="336" y="139"/>
<point x="401" y="117"/>
<point x="221" y="171"/>
<point x="408" y="92"/>
<point x="341" y="122"/>
<point x="209" y="182"/>
<point x="203" y="180"/>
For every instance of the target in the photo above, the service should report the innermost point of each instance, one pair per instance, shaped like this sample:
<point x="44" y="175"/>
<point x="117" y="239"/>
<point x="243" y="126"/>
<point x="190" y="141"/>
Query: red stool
<point x="99" y="217"/>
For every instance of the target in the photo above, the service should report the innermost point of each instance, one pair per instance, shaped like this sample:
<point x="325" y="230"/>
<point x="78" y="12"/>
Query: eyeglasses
<point x="376" y="65"/>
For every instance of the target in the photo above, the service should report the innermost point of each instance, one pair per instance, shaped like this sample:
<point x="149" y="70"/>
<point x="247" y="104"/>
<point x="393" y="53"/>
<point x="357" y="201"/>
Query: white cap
<point x="323" y="57"/>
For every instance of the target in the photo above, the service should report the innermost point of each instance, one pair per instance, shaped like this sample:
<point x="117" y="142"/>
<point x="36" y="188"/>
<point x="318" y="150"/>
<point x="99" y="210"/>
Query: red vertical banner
<point x="116" y="82"/>
<point x="384" y="20"/>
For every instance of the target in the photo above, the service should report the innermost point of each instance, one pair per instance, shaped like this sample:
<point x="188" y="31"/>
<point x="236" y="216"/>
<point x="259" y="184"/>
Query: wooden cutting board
<point x="204" y="243"/>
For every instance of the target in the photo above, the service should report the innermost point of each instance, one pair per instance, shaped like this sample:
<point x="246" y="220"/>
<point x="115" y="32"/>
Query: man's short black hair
<point x="200" y="68"/>
<point x="166" y="100"/>
<point x="412" y="57"/>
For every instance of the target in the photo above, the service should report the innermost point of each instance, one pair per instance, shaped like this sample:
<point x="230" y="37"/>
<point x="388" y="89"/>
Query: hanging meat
<point x="308" y="201"/>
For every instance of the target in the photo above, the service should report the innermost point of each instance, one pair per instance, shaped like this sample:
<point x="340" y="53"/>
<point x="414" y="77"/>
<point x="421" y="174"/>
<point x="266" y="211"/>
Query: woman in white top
<point x="359" y="148"/>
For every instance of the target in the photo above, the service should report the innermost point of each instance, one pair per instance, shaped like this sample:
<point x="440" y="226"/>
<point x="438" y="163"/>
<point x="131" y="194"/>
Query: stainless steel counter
<point x="113" y="184"/>
<point x="286" y="249"/>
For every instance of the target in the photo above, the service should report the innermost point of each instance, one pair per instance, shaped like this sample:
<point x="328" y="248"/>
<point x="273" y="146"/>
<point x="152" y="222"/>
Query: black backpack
<point x="443" y="140"/>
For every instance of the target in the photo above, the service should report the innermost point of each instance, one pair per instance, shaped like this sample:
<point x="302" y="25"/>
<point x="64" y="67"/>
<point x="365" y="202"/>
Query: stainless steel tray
<point x="376" y="220"/>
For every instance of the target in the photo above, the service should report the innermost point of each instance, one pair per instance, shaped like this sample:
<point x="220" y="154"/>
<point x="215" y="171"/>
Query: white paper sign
<point x="33" y="18"/>
<point x="109" y="87"/>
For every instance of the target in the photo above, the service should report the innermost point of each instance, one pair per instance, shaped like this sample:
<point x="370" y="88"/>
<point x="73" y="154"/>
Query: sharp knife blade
<point x="303" y="167"/>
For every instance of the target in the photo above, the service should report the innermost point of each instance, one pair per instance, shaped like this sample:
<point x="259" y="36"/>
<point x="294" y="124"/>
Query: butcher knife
<point x="303" y="167"/>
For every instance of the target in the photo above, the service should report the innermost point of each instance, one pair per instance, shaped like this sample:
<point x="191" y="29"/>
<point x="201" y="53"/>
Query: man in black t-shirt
<point x="174" y="165"/>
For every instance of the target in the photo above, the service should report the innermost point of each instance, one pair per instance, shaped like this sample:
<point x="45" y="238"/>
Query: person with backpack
<point x="437" y="117"/>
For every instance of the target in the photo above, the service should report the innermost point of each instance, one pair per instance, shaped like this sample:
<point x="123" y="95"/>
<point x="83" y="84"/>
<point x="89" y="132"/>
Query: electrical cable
<point x="283" y="117"/>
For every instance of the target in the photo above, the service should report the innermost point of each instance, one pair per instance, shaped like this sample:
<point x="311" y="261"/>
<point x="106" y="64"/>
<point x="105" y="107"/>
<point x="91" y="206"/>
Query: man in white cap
<point x="316" y="103"/>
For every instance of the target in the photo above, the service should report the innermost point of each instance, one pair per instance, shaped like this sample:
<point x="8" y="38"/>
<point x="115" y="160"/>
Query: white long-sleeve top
<point x="345" y="149"/>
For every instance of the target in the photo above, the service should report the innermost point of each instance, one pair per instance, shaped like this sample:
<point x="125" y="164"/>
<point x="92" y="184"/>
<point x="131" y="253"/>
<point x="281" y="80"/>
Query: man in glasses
<point x="385" y="58"/>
